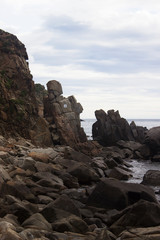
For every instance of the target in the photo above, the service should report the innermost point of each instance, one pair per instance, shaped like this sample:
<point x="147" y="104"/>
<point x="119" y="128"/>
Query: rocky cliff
<point x="21" y="102"/>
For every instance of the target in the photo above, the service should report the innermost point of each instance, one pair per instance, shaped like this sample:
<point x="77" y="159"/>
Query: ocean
<point x="148" y="123"/>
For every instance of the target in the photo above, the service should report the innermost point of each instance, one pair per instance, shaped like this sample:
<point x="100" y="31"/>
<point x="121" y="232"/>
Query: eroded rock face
<point x="16" y="87"/>
<point x="110" y="128"/>
<point x="63" y="115"/>
<point x="18" y="105"/>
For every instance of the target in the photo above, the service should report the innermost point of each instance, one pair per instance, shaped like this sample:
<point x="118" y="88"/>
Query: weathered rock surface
<point x="140" y="214"/>
<point x="18" y="105"/>
<point x="110" y="128"/>
<point x="113" y="194"/>
<point x="63" y="114"/>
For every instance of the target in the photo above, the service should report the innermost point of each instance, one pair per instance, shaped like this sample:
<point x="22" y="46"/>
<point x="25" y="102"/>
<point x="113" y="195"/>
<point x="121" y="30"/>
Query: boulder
<point x="37" y="221"/>
<point x="17" y="189"/>
<point x="151" y="177"/>
<point x="84" y="173"/>
<point x="54" y="89"/>
<point x="141" y="214"/>
<point x="70" y="224"/>
<point x="119" y="173"/>
<point x="66" y="204"/>
<point x="114" y="194"/>
<point x="153" y="139"/>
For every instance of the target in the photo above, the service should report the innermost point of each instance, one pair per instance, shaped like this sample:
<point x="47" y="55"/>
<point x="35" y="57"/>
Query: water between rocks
<point x="139" y="168"/>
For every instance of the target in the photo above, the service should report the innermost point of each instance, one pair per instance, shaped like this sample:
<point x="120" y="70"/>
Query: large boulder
<point x="114" y="194"/>
<point x="110" y="128"/>
<point x="153" y="139"/>
<point x="141" y="214"/>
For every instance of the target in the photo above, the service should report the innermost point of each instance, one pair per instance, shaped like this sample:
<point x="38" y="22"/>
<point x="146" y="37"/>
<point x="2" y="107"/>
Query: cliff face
<point x="18" y="105"/>
<point x="21" y="102"/>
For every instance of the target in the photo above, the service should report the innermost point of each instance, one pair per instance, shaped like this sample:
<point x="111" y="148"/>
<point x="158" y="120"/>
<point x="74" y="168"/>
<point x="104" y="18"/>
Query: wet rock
<point x="113" y="194"/>
<point x="151" y="177"/>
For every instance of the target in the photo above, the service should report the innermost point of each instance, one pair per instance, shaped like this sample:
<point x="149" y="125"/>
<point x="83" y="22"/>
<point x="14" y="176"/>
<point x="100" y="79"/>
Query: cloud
<point x="106" y="53"/>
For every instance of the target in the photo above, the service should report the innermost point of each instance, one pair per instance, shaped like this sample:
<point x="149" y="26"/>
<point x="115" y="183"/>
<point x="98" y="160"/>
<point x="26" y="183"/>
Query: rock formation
<point x="110" y="128"/>
<point x="18" y="105"/>
<point x="63" y="115"/>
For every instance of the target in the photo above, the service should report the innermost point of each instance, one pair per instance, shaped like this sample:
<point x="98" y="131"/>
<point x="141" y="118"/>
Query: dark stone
<point x="110" y="128"/>
<point x="85" y="174"/>
<point x="153" y="139"/>
<point x="151" y="177"/>
<point x="140" y="214"/>
<point x="114" y="194"/>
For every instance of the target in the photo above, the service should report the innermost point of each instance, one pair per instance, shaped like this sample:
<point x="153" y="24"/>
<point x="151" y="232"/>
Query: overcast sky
<point x="104" y="52"/>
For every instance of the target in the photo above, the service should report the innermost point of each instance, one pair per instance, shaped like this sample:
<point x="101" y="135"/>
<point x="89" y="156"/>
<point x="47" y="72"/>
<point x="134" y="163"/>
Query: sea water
<point x="138" y="167"/>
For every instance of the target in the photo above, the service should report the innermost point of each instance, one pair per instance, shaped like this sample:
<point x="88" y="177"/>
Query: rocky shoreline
<point x="59" y="193"/>
<point x="54" y="183"/>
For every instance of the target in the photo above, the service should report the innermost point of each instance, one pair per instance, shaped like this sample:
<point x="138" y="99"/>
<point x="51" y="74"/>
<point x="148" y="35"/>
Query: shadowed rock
<point x="110" y="128"/>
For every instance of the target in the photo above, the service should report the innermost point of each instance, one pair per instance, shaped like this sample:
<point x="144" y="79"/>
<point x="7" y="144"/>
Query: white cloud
<point x="105" y="52"/>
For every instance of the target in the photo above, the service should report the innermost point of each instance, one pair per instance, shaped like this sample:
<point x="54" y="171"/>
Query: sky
<point x="104" y="52"/>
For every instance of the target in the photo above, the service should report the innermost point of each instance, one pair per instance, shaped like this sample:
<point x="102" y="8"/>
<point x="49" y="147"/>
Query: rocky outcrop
<point x="63" y="115"/>
<point x="18" y="105"/>
<point x="110" y="128"/>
